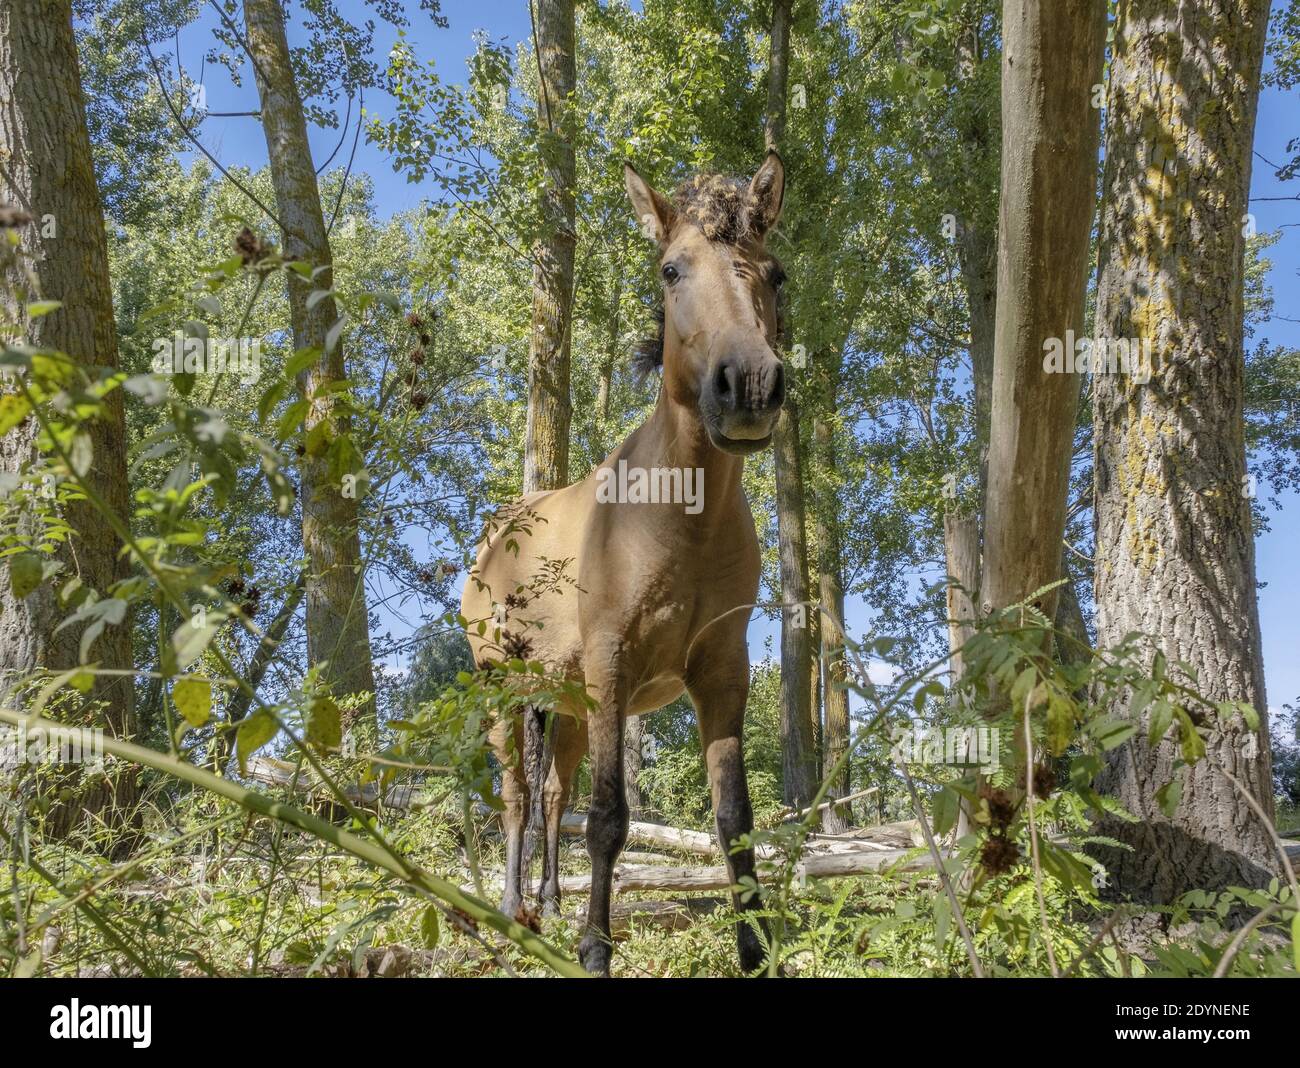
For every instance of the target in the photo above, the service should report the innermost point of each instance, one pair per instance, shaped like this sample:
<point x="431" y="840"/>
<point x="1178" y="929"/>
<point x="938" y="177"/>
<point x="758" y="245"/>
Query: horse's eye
<point x="670" y="273"/>
<point x="778" y="279"/>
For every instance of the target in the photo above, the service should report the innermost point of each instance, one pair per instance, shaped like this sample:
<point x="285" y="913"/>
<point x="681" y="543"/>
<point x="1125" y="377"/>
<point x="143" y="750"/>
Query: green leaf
<point x="13" y="410"/>
<point x="947" y="804"/>
<point x="37" y="308"/>
<point x="267" y="402"/>
<point x="1192" y="742"/>
<point x="1162" y="715"/>
<point x="1060" y="723"/>
<point x="324" y="728"/>
<point x="430" y="928"/>
<point x="1112" y="733"/>
<point x="292" y="418"/>
<point x="193" y="697"/>
<point x="25" y="572"/>
<point x="332" y="334"/>
<point x="254" y="733"/>
<point x="319" y="438"/>
<point x="82" y="453"/>
<point x="1169" y="796"/>
<point x="1021" y="687"/>
<point x="188" y="643"/>
<point x="301" y="360"/>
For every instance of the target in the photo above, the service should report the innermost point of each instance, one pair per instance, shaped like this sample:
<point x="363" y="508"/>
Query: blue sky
<point x="239" y="141"/>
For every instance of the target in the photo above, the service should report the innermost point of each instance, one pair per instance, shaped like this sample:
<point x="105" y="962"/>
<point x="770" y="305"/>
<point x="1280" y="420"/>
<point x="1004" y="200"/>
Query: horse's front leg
<point x="607" y="818"/>
<point x="718" y="681"/>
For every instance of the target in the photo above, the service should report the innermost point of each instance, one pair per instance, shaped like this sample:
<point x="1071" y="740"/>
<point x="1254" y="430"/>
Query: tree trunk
<point x="835" y="697"/>
<point x="546" y="446"/>
<point x="1052" y="55"/>
<point x="633" y="762"/>
<point x="46" y="171"/>
<point x="961" y="546"/>
<point x="797" y="747"/>
<point x="338" y="632"/>
<point x="1174" y="545"/>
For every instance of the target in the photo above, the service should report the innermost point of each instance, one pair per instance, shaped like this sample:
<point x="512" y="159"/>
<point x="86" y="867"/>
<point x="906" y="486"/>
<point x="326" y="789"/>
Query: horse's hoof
<point x="594" y="954"/>
<point x="751" y="952"/>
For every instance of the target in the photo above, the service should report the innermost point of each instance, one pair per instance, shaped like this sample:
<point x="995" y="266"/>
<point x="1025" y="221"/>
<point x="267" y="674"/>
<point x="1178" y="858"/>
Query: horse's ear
<point x="653" y="214"/>
<point x="767" y="192"/>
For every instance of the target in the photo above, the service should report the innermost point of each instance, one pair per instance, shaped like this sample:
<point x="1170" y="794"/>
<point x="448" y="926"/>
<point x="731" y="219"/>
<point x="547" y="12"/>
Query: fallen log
<point x="675" y="915"/>
<point x="272" y="772"/>
<point x="664" y="837"/>
<point x="651" y="834"/>
<point x="814" y="866"/>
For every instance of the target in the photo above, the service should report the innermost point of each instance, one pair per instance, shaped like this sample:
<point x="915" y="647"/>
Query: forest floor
<point x="224" y="895"/>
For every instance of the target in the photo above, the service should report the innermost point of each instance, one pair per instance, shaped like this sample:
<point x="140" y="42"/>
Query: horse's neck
<point x="674" y="436"/>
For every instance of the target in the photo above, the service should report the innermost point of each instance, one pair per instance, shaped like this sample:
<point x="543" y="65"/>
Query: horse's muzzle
<point x="742" y="400"/>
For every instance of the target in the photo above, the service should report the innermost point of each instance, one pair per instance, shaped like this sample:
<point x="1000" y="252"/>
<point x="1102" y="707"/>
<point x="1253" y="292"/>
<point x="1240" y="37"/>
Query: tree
<point x="546" y="449"/>
<point x="337" y="623"/>
<point x="1052" y="56"/>
<point x="797" y="733"/>
<point x="47" y="179"/>
<point x="1174" y="544"/>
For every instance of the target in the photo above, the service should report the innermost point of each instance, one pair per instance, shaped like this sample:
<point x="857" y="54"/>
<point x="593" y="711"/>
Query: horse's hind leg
<point x="570" y="744"/>
<point x="507" y="738"/>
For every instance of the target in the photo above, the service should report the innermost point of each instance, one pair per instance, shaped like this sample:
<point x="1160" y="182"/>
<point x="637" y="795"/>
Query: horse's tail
<point x="537" y="762"/>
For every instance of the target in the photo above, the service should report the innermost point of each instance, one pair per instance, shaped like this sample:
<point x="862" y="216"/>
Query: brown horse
<point x="663" y="542"/>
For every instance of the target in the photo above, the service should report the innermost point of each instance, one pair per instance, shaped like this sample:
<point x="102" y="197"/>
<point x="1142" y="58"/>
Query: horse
<point x="666" y="555"/>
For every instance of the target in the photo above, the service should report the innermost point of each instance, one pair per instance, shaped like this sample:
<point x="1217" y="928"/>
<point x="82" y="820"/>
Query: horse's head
<point x="720" y="299"/>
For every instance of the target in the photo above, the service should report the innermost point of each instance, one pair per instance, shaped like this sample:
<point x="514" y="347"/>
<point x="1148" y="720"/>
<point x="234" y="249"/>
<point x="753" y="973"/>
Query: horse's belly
<point x="657" y="692"/>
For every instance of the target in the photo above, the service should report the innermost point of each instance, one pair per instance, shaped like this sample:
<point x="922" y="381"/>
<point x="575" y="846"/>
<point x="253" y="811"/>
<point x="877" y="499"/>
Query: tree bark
<point x="799" y="760"/>
<point x="1174" y="546"/>
<point x="835" y="697"/>
<point x="546" y="446"/>
<point x="1052" y="55"/>
<point x="633" y="762"/>
<point x="338" y="633"/>
<point x="46" y="171"/>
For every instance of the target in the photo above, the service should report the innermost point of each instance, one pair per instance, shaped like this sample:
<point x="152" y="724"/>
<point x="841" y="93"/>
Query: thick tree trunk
<point x="1174" y="546"/>
<point x="46" y="172"/>
<point x="546" y="446"/>
<point x="1052" y="55"/>
<point x="337" y="624"/>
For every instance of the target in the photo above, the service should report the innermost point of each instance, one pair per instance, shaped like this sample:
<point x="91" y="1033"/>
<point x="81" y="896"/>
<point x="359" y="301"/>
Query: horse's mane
<point x="724" y="209"/>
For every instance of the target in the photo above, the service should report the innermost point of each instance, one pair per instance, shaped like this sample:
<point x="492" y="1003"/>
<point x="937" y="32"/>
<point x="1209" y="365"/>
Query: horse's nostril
<point x="725" y="382"/>
<point x="778" y="386"/>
